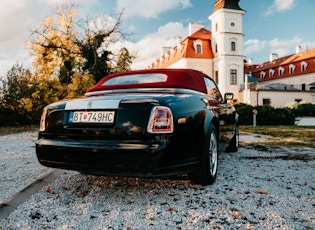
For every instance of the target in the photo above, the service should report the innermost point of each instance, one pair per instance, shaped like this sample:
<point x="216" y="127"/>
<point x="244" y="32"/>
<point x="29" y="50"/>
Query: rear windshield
<point x="136" y="79"/>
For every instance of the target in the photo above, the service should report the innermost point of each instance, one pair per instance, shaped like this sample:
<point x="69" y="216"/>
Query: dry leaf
<point x="261" y="191"/>
<point x="81" y="194"/>
<point x="170" y="209"/>
<point x="48" y="189"/>
<point x="236" y="214"/>
<point x="303" y="184"/>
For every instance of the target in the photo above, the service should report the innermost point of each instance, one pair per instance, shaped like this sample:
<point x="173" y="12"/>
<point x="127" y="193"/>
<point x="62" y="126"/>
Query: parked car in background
<point x="142" y="123"/>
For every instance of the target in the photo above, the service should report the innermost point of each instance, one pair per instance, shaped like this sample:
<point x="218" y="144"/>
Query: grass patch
<point x="290" y="136"/>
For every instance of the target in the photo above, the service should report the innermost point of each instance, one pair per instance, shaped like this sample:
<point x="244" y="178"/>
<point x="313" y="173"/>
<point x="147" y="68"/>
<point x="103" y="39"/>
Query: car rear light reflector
<point x="42" y="125"/>
<point x="161" y="120"/>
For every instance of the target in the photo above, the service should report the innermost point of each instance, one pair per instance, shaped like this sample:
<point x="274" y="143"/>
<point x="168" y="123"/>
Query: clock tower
<point x="227" y="45"/>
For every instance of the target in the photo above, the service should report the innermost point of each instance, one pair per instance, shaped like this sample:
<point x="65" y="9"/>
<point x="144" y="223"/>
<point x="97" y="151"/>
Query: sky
<point x="269" y="26"/>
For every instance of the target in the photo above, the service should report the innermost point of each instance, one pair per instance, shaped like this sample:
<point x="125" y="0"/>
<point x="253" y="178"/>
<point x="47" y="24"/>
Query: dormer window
<point x="198" y="46"/>
<point x="271" y="73"/>
<point x="291" y="68"/>
<point x="233" y="46"/>
<point x="304" y="65"/>
<point x="262" y="74"/>
<point x="281" y="71"/>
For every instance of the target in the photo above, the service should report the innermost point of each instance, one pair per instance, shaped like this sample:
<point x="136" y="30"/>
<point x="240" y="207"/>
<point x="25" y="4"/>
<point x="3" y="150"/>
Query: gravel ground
<point x="273" y="189"/>
<point x="18" y="163"/>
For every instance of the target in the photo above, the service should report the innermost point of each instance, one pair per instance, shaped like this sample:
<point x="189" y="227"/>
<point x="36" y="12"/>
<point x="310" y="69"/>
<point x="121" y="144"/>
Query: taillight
<point x="161" y="120"/>
<point x="42" y="125"/>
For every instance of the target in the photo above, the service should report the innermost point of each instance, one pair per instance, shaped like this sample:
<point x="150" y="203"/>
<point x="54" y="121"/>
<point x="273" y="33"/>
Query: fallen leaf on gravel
<point x="236" y="214"/>
<point x="303" y="184"/>
<point x="81" y="194"/>
<point x="36" y="216"/>
<point x="170" y="209"/>
<point x="261" y="191"/>
<point x="48" y="189"/>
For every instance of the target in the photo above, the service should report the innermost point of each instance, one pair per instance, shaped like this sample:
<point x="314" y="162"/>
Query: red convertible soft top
<point x="174" y="78"/>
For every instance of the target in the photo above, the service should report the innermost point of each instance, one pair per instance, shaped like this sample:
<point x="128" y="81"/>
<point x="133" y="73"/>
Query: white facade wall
<point x="201" y="64"/>
<point x="227" y="28"/>
<point x="297" y="80"/>
<point x="278" y="99"/>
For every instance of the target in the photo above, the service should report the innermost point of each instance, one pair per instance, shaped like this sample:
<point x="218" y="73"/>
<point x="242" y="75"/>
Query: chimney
<point x="165" y="49"/>
<point x="179" y="39"/>
<point x="250" y="61"/>
<point x="273" y="56"/>
<point x="298" y="49"/>
<point x="194" y="26"/>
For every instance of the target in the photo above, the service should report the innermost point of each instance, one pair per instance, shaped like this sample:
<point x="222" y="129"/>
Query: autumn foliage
<point x="69" y="56"/>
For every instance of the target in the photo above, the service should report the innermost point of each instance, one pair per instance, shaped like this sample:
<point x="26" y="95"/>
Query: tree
<point x="16" y="86"/>
<point x="55" y="49"/>
<point x="65" y="47"/>
<point x="17" y="97"/>
<point x="124" y="60"/>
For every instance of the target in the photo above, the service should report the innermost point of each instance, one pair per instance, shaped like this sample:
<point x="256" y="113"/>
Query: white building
<point x="220" y="54"/>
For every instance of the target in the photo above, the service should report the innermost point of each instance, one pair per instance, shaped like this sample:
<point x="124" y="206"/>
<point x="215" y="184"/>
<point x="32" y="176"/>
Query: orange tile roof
<point x="185" y="49"/>
<point x="307" y="56"/>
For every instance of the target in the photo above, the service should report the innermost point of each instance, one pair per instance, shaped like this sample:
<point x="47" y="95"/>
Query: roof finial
<point x="226" y="4"/>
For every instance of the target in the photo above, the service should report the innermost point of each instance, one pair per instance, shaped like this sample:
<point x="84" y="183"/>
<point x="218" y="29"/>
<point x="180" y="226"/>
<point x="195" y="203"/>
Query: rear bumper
<point x="128" y="158"/>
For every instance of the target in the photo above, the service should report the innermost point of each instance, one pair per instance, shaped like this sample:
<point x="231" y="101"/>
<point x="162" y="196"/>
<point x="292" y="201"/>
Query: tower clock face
<point x="232" y="24"/>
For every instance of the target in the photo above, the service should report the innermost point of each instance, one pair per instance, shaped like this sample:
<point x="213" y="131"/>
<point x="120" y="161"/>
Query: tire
<point x="233" y="146"/>
<point x="206" y="172"/>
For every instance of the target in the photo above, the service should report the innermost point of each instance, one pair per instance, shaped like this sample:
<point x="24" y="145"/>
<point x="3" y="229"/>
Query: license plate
<point x="92" y="117"/>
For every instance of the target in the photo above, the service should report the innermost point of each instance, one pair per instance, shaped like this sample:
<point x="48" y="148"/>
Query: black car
<point x="144" y="123"/>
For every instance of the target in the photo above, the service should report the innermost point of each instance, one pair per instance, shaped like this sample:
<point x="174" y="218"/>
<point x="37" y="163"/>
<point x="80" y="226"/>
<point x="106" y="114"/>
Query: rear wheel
<point x="206" y="172"/>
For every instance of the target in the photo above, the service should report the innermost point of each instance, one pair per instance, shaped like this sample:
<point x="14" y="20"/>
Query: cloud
<point x="284" y="47"/>
<point x="259" y="50"/>
<point x="253" y="46"/>
<point x="280" y="6"/>
<point x="17" y="20"/>
<point x="148" y="49"/>
<point x="149" y="8"/>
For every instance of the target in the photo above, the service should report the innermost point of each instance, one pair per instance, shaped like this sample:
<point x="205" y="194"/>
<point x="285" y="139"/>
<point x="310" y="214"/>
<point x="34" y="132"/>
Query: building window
<point x="281" y="71"/>
<point x="198" y="46"/>
<point x="298" y="100"/>
<point x="303" y="87"/>
<point x="262" y="74"/>
<point x="304" y="65"/>
<point x="216" y="27"/>
<point x="233" y="46"/>
<point x="233" y="77"/>
<point x="216" y="77"/>
<point x="216" y="48"/>
<point x="266" y="101"/>
<point x="291" y="68"/>
<point x="271" y="73"/>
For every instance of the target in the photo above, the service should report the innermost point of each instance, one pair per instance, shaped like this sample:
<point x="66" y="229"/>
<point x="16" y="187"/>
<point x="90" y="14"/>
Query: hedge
<point x="266" y="115"/>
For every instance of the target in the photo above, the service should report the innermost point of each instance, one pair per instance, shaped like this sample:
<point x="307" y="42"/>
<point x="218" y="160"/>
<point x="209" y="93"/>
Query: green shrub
<point x="266" y="115"/>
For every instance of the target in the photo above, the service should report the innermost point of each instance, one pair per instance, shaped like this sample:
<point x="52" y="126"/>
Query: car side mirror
<point x="228" y="96"/>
